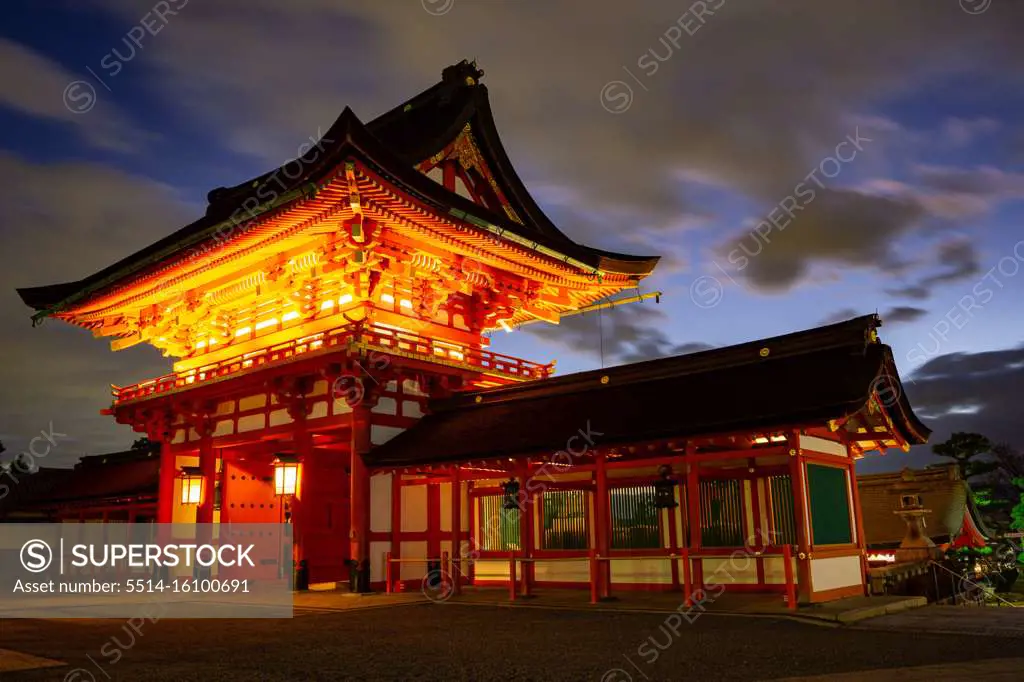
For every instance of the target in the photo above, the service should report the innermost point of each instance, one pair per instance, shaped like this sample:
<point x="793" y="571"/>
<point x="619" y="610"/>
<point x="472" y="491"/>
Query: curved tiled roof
<point x="392" y="144"/>
<point x="808" y="377"/>
<point x="945" y="495"/>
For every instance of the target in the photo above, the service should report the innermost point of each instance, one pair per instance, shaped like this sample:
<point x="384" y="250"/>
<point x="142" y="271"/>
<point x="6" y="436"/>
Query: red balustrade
<point x="370" y="337"/>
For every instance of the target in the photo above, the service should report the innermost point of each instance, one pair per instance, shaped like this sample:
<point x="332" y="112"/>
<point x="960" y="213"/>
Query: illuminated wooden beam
<point x="126" y="342"/>
<point x="542" y="314"/>
<point x="601" y="306"/>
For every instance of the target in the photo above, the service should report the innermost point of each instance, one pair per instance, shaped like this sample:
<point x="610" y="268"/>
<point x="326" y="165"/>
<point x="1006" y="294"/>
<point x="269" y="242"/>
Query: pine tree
<point x="965" y="449"/>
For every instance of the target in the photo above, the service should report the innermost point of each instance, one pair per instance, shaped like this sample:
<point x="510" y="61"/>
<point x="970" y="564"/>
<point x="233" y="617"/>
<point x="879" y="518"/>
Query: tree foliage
<point x="967" y="450"/>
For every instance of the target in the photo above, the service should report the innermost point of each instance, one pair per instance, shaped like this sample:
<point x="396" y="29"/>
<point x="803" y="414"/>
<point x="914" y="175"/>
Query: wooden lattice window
<point x="635" y="518"/>
<point x="565" y="520"/>
<point x="721" y="513"/>
<point x="499" y="526"/>
<point x="780" y="488"/>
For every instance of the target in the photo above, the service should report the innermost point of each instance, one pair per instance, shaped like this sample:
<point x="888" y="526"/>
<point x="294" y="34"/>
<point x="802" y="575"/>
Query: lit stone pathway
<point x="12" y="661"/>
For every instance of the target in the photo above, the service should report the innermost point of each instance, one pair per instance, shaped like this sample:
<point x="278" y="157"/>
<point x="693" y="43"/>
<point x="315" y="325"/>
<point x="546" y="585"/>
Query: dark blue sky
<point x="686" y="160"/>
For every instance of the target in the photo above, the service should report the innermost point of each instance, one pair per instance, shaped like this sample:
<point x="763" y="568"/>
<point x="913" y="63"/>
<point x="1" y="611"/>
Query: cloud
<point x="958" y="193"/>
<point x="903" y="314"/>
<point x="627" y="333"/>
<point x="972" y="392"/>
<point x="783" y="91"/>
<point x="839" y="226"/>
<point x="841" y="316"/>
<point x="61" y="222"/>
<point x="957" y="259"/>
<point x="987" y="383"/>
<point x="961" y="132"/>
<point x="36" y="86"/>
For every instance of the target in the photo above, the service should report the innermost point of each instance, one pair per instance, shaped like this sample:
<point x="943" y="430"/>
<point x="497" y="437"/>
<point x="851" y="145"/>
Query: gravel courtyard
<point x="455" y="642"/>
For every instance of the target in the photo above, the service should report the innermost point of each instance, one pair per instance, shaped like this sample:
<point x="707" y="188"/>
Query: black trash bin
<point x="302" y="576"/>
<point x="434" y="576"/>
<point x="358" y="576"/>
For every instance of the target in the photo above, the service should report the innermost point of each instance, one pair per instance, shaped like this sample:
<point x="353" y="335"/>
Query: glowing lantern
<point x="287" y="470"/>
<point x="511" y="490"/>
<point x="191" y="485"/>
<point x="664" y="489"/>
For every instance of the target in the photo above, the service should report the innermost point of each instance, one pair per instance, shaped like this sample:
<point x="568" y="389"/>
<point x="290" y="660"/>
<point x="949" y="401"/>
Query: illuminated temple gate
<point x="329" y="319"/>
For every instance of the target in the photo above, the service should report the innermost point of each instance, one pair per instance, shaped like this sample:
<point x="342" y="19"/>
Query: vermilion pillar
<point x="208" y="469"/>
<point x="799" y="485"/>
<point x="168" y="472"/>
<point x="457" y="529"/>
<point x="303" y="441"/>
<point x="359" y="478"/>
<point x="526" y="521"/>
<point x="396" y="524"/>
<point x="859" y="523"/>
<point x="693" y="514"/>
<point x="601" y="520"/>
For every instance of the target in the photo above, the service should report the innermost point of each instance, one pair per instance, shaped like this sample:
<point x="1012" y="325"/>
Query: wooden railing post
<point x="787" y="564"/>
<point x="687" y="583"/>
<point x="593" y="576"/>
<point x="387" y="572"/>
<point x="511" y="576"/>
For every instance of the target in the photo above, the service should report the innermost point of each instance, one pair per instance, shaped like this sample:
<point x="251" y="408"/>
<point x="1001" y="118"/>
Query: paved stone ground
<point x="987" y="620"/>
<point x="480" y="642"/>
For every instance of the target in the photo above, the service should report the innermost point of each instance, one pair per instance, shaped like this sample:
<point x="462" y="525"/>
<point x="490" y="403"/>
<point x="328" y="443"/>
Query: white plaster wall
<point x="815" y="444"/>
<point x="278" y="417"/>
<point x="731" y="570"/>
<point x="252" y="402"/>
<point x="446" y="507"/>
<point x="380" y="503"/>
<point x="414" y="508"/>
<point x="560" y="571"/>
<point x="417" y="569"/>
<point x="775" y="570"/>
<point x="319" y="410"/>
<point x="492" y="569"/>
<point x="382" y="434"/>
<point x="637" y="571"/>
<point x="252" y="422"/>
<point x="385" y="405"/>
<point x="378" y="559"/>
<point x="840" y="571"/>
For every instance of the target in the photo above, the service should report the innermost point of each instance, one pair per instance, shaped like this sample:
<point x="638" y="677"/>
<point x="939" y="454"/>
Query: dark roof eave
<point x="50" y="299"/>
<point x="850" y="347"/>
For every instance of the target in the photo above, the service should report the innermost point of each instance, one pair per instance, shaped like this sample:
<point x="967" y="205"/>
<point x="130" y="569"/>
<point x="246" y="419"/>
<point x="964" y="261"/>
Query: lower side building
<point x="715" y="468"/>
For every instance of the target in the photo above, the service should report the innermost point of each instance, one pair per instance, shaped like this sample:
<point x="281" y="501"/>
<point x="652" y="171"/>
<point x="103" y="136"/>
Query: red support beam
<point x="208" y="469"/>
<point x="359" y="494"/>
<point x="168" y="472"/>
<point x="511" y="576"/>
<point x="396" y="521"/>
<point x="693" y="512"/>
<point x="456" y="572"/>
<point x="787" y="565"/>
<point x="601" y="523"/>
<point x="803" y="533"/>
<point x="526" y="520"/>
<point x="687" y="582"/>
<point x="858" y="515"/>
<point x="303" y="443"/>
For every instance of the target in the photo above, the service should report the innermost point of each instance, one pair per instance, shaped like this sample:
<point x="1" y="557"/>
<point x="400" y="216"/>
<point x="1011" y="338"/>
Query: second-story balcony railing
<point x="386" y="340"/>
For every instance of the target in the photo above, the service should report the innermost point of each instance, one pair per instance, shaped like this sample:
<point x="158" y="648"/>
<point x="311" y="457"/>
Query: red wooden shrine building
<point x="328" y="322"/>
